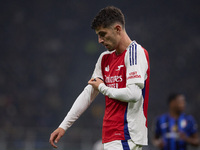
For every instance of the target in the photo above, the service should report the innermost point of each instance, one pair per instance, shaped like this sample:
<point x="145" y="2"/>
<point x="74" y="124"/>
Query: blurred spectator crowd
<point x="48" y="52"/>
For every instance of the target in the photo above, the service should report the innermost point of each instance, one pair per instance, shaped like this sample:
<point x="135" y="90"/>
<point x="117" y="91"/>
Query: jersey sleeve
<point x="192" y="125"/>
<point x="83" y="100"/>
<point x="157" y="128"/>
<point x="131" y="93"/>
<point x="136" y="65"/>
<point x="97" y="71"/>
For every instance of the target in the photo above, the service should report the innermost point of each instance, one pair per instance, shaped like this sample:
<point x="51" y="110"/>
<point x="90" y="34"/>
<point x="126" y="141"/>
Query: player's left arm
<point x="157" y="139"/>
<point x="192" y="138"/>
<point x="136" y="75"/>
<point x="130" y="93"/>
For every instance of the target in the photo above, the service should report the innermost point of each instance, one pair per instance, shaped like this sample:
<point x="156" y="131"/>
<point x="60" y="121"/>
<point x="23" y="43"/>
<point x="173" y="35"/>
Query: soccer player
<point x="122" y="75"/>
<point x="175" y="130"/>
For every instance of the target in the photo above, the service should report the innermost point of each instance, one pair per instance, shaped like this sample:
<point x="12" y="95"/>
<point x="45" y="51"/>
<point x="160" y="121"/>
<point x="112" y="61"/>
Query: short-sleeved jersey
<point x="125" y="120"/>
<point x="168" y="128"/>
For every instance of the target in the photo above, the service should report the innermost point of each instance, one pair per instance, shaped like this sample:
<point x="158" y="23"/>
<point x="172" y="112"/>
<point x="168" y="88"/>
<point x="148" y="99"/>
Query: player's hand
<point x="95" y="82"/>
<point x="183" y="136"/>
<point x="159" y="143"/>
<point x="55" y="136"/>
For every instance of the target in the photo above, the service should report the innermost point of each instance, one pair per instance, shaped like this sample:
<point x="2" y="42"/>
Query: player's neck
<point x="174" y="114"/>
<point x="123" y="44"/>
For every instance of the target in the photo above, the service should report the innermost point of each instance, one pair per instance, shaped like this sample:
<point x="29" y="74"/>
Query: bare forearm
<point x="192" y="141"/>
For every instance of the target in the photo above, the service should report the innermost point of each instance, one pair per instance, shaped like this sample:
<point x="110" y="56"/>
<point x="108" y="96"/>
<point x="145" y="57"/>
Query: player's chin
<point x="110" y="49"/>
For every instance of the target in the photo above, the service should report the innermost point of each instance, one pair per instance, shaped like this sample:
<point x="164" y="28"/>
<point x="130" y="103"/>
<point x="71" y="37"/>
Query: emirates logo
<point x="107" y="68"/>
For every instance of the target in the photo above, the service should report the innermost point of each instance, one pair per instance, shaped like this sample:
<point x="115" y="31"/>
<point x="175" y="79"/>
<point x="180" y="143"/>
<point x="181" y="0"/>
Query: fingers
<point x="101" y="79"/>
<point x="58" y="138"/>
<point x="91" y="81"/>
<point x="55" y="136"/>
<point x="94" y="80"/>
<point x="52" y="138"/>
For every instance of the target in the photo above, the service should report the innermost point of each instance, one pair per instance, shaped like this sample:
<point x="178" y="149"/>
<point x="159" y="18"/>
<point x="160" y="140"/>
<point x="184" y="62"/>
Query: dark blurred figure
<point x="175" y="130"/>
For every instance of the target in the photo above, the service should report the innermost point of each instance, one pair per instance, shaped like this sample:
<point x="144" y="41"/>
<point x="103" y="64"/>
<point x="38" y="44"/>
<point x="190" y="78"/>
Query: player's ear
<point x="118" y="28"/>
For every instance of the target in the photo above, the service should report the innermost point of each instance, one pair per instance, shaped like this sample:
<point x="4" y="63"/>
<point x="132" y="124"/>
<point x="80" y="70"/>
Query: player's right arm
<point x="80" y="105"/>
<point x="157" y="137"/>
<point x="82" y="102"/>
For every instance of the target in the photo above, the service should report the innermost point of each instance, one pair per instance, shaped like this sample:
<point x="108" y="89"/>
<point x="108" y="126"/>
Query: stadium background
<point x="48" y="53"/>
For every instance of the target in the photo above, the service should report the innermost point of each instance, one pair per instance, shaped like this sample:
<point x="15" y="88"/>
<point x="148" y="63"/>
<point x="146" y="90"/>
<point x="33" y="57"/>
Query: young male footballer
<point x="122" y="75"/>
<point x="175" y="130"/>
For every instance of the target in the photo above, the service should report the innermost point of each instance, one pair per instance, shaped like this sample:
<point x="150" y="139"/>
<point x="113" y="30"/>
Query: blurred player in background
<point x="175" y="130"/>
<point x="122" y="75"/>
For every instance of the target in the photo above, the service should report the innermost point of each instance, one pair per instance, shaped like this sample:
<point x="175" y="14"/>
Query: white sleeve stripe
<point x="133" y="54"/>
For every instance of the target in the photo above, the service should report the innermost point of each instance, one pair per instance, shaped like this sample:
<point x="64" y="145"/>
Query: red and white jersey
<point x="125" y="120"/>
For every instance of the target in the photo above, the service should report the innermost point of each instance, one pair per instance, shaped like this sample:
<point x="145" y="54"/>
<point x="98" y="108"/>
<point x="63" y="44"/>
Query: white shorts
<point x="121" y="145"/>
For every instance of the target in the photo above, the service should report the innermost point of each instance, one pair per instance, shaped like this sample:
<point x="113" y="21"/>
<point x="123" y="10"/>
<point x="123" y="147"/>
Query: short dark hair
<point x="107" y="17"/>
<point x="173" y="96"/>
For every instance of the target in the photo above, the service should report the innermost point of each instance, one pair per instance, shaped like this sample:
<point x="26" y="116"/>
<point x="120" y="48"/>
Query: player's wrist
<point x="101" y="87"/>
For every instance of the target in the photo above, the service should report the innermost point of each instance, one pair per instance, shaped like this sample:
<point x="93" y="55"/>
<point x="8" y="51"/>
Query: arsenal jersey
<point x="125" y="120"/>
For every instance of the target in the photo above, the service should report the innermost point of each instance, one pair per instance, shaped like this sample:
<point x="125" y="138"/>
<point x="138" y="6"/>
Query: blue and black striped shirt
<point x="169" y="128"/>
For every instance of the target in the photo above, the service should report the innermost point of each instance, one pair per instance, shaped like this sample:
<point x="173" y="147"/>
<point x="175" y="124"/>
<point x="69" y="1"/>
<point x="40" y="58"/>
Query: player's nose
<point x="100" y="40"/>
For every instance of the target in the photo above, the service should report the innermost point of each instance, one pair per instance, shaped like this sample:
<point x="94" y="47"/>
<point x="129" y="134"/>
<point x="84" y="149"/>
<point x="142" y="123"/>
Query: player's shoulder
<point x="163" y="116"/>
<point x="102" y="55"/>
<point x="160" y="119"/>
<point x="136" y="55"/>
<point x="106" y="53"/>
<point x="135" y="46"/>
<point x="188" y="117"/>
<point x="135" y="50"/>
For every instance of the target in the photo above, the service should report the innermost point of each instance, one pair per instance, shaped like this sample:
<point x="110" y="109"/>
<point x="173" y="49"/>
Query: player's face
<point x="179" y="104"/>
<point x="108" y="37"/>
